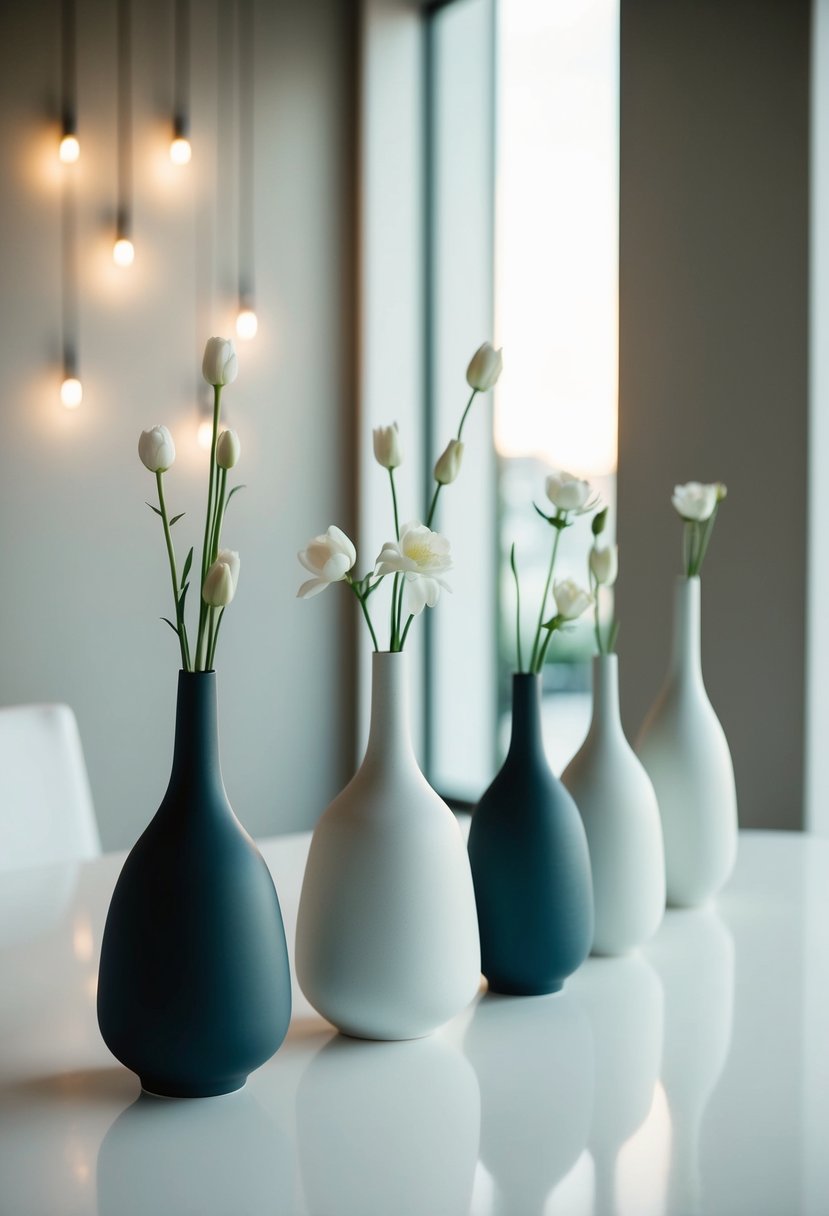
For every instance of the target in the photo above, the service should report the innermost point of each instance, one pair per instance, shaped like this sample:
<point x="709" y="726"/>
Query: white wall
<point x="84" y="574"/>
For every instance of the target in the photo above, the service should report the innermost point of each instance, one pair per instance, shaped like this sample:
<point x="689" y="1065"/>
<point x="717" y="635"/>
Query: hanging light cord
<point x="124" y="184"/>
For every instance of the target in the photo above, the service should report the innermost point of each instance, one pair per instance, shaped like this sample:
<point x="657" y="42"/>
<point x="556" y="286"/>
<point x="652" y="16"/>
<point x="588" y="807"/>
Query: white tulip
<point x="604" y="564"/>
<point x="329" y="558"/>
<point x="566" y="492"/>
<point x="156" y="449"/>
<point x="448" y="465"/>
<point x="228" y="450"/>
<point x="219" y="365"/>
<point x="695" y="502"/>
<point x="422" y="557"/>
<point x="485" y="367"/>
<point x="387" y="450"/>
<point x="231" y="559"/>
<point x="571" y="599"/>
<point x="220" y="581"/>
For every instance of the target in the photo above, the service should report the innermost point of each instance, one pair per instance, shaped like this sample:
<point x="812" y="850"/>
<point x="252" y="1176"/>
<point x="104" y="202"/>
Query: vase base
<point x="509" y="988"/>
<point x="156" y="1088"/>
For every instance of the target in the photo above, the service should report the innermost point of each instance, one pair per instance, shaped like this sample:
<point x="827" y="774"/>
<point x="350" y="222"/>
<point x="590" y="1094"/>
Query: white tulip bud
<point x="604" y="564"/>
<point x="220" y="581"/>
<point x="571" y="599"/>
<point x="485" y="367"/>
<point x="695" y="502"/>
<point x="329" y="558"/>
<point x="219" y="365"/>
<point x="228" y="449"/>
<point x="566" y="492"/>
<point x="387" y="446"/>
<point x="449" y="464"/>
<point x="156" y="449"/>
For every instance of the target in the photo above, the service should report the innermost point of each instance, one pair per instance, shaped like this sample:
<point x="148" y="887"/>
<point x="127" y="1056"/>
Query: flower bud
<point x="387" y="446"/>
<point x="219" y="365"/>
<point x="695" y="502"/>
<point x="449" y="464"/>
<point x="156" y="449"/>
<point x="568" y="493"/>
<point x="485" y="368"/>
<point x="220" y="581"/>
<point x="571" y="599"/>
<point x="604" y="564"/>
<point x="228" y="449"/>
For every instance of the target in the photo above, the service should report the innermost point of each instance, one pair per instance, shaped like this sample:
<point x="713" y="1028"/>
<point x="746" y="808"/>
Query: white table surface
<point x="691" y="1077"/>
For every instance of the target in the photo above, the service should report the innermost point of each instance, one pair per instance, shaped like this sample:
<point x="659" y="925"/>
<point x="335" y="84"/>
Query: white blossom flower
<point x="221" y="579"/>
<point x="387" y="451"/>
<point x="566" y="492"/>
<point x="228" y="449"/>
<point x="220" y="365"/>
<point x="329" y="558"/>
<point x="695" y="501"/>
<point x="485" y="367"/>
<point x="448" y="464"/>
<point x="156" y="449"/>
<point x="604" y="564"/>
<point x="422" y="557"/>
<point x="571" y="599"/>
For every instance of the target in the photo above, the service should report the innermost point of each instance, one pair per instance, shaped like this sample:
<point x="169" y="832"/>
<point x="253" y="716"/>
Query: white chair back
<point x="46" y="811"/>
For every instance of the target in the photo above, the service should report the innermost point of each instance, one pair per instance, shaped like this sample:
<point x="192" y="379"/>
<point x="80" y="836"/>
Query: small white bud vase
<point x="684" y="749"/>
<point x="387" y="934"/>
<point x="618" y="806"/>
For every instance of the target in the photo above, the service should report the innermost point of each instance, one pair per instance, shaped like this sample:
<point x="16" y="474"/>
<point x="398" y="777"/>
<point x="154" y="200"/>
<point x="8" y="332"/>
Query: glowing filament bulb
<point x="247" y="323"/>
<point x="123" y="252"/>
<point x="69" y="149"/>
<point x="180" y="151"/>
<point x="71" y="392"/>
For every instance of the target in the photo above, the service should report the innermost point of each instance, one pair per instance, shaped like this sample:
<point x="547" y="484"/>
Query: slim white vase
<point x="684" y="748"/>
<point x="387" y="934"/>
<point x="618" y="806"/>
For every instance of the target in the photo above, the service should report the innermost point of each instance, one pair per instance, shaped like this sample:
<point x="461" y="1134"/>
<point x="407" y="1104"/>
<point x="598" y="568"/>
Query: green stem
<point x="201" y="639"/>
<point x="406" y="631"/>
<point x="434" y="504"/>
<point x="466" y="411"/>
<point x="705" y="538"/>
<point x="517" y="609"/>
<point x="535" y="664"/>
<point x="394" y="504"/>
<point x="212" y="655"/>
<point x="173" y="573"/>
<point x="219" y="515"/>
<point x="594" y="587"/>
<point x="542" y="656"/>
<point x="393" y="614"/>
<point x="364" y="607"/>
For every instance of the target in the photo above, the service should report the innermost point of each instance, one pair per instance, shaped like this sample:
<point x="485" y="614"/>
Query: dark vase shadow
<point x="388" y="1128"/>
<point x="220" y="1154"/>
<point x="533" y="1057"/>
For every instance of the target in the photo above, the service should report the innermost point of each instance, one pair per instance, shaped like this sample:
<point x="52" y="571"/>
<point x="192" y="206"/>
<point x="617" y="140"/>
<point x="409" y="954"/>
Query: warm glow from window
<point x="69" y="149"/>
<point x="71" y="393"/>
<point x="123" y="252"/>
<point x="180" y="151"/>
<point x="205" y="434"/>
<point x="557" y="232"/>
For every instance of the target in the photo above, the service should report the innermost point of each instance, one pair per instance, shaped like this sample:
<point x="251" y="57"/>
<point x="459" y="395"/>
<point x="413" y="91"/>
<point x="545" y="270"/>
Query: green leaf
<point x="181" y="599"/>
<point x="235" y="490"/>
<point x="614" y="633"/>
<point x="599" y="522"/>
<point x="188" y="561"/>
<point x="152" y="508"/>
<point x="176" y="518"/>
<point x="170" y="623"/>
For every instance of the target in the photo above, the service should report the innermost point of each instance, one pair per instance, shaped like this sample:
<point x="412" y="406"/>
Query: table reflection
<point x="388" y="1128"/>
<point x="531" y="1054"/>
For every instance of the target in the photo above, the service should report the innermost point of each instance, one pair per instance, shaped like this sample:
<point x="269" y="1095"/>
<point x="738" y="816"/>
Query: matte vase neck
<point x="686" y="659"/>
<point x="196" y="765"/>
<point x="606" y="717"/>
<point x="389" y="732"/>
<point x="526" y="738"/>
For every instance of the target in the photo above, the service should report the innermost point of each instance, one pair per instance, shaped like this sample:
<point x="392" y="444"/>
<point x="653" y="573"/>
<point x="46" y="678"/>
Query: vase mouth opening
<point x="190" y="675"/>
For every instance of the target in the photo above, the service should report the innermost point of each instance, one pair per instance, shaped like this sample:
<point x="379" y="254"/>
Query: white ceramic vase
<point x="684" y="748"/>
<point x="387" y="934"/>
<point x="618" y="806"/>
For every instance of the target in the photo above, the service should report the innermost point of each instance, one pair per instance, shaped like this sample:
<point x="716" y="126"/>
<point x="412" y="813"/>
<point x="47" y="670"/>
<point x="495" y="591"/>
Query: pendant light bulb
<point x="205" y="434"/>
<point x="247" y="323"/>
<point x="69" y="149"/>
<point x="180" y="151"/>
<point x="123" y="252"/>
<point x="71" y="392"/>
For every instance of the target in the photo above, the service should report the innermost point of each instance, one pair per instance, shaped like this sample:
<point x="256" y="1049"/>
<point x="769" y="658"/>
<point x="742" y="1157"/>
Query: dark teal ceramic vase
<point x="194" y="988"/>
<point x="530" y="865"/>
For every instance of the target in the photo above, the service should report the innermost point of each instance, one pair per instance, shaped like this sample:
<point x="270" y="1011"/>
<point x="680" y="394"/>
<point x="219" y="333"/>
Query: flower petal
<point x="312" y="587"/>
